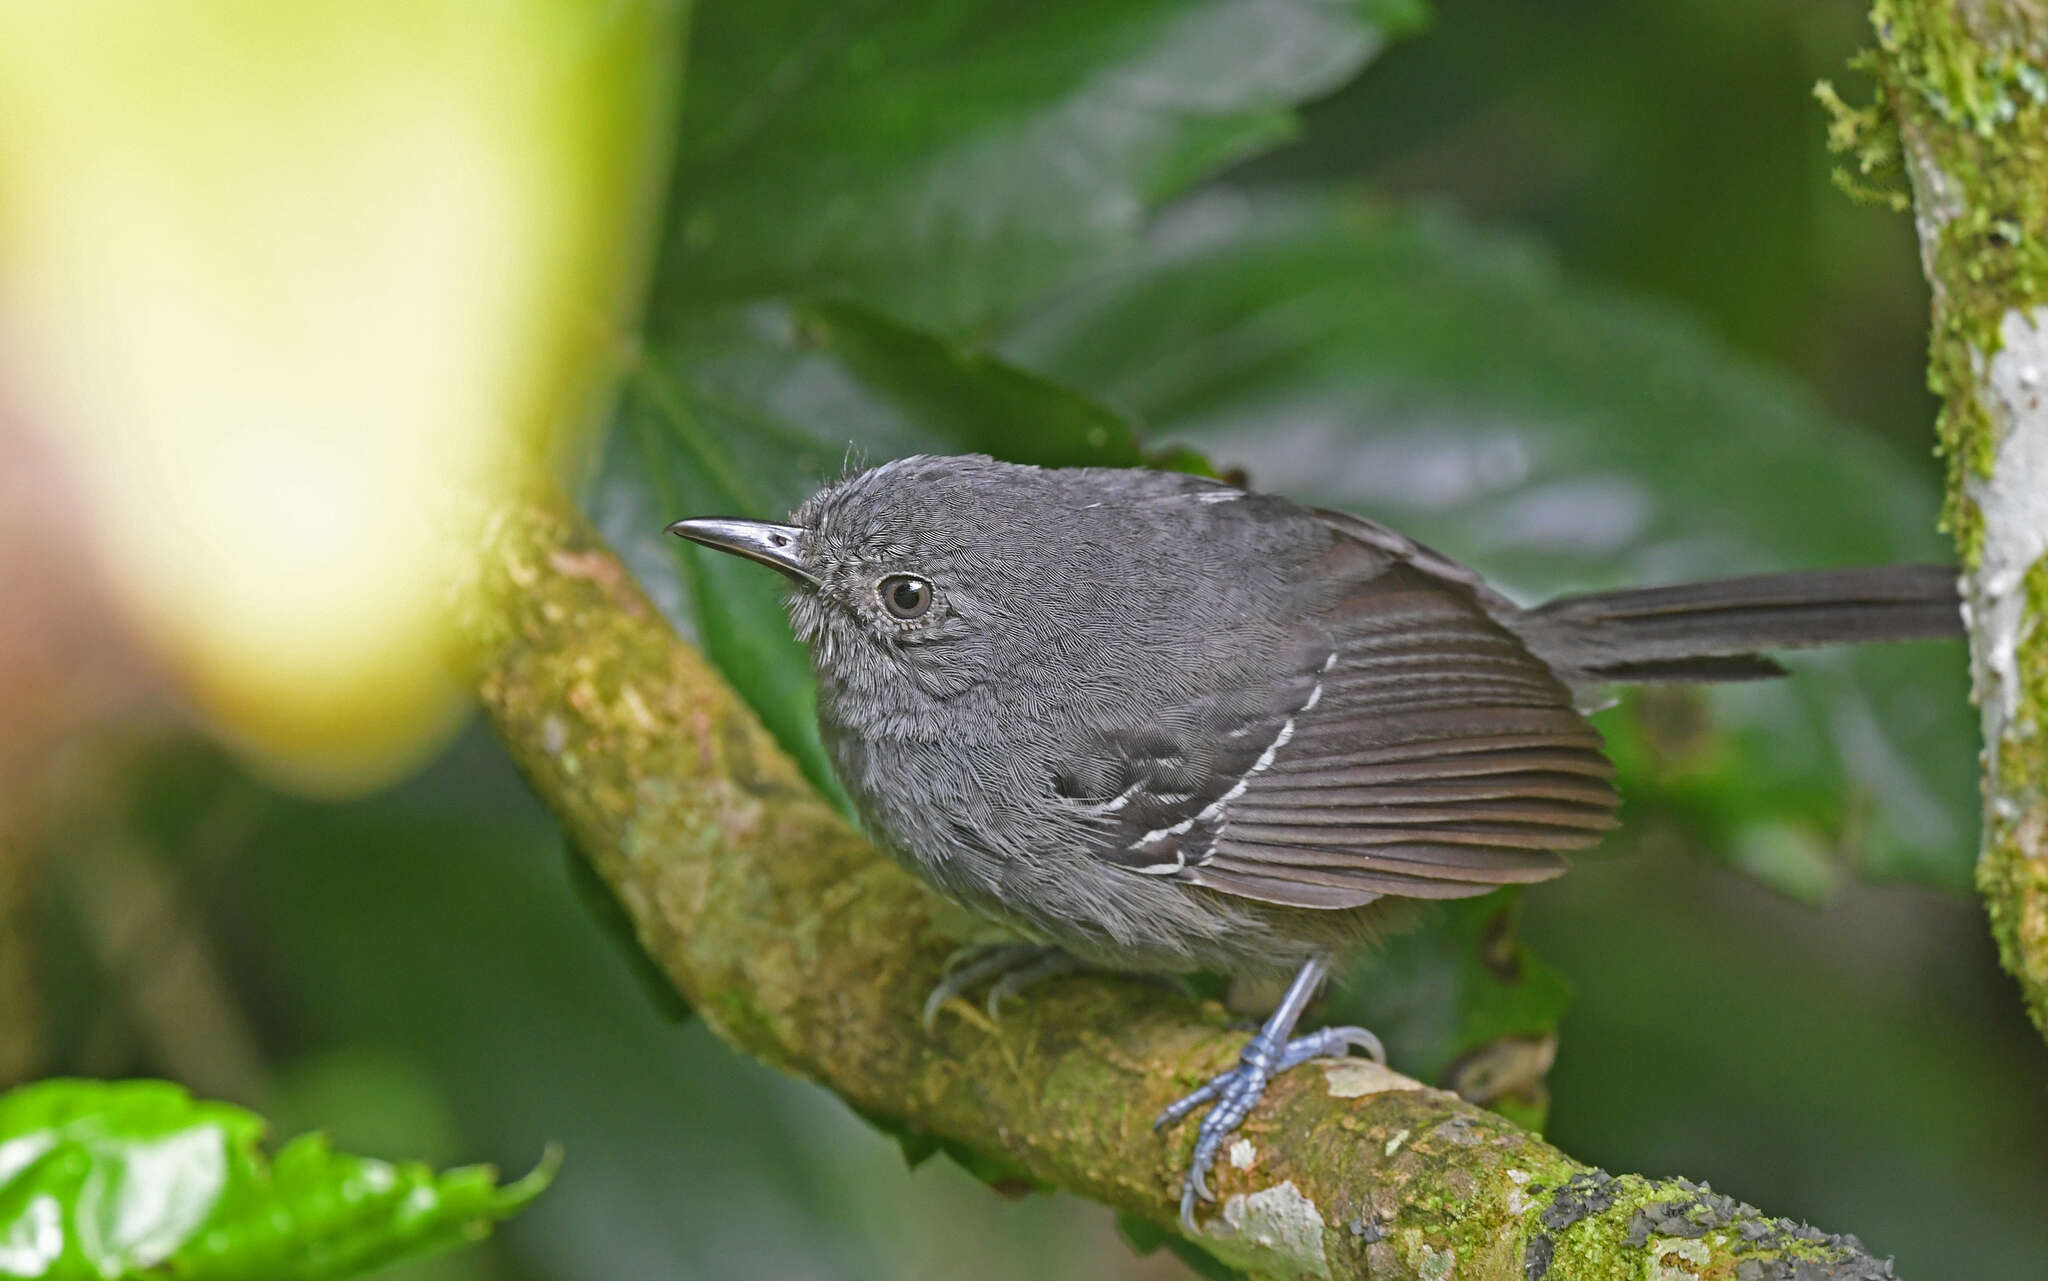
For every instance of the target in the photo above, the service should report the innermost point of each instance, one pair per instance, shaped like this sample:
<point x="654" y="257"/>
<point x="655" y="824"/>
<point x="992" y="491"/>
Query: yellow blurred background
<point x="284" y="289"/>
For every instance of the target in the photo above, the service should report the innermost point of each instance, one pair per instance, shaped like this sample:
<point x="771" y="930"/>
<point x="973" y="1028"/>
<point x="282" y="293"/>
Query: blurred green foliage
<point x="134" y="1179"/>
<point x="1044" y="232"/>
<point x="945" y="160"/>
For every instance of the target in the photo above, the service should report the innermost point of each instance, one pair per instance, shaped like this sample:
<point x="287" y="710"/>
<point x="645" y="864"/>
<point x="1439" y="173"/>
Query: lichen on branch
<point x="801" y="945"/>
<point x="1966" y="89"/>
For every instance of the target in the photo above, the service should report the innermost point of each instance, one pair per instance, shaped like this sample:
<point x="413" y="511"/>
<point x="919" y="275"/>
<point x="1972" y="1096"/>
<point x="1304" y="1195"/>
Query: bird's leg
<point x="1008" y="968"/>
<point x="1233" y="1094"/>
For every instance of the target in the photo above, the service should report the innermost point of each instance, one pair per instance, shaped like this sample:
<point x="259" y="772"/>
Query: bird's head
<point x="936" y="575"/>
<point x="920" y="573"/>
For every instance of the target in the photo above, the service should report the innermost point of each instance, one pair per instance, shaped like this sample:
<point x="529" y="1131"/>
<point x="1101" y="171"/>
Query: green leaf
<point x="1558" y="438"/>
<point x="757" y="408"/>
<point x="137" y="1179"/>
<point x="943" y="159"/>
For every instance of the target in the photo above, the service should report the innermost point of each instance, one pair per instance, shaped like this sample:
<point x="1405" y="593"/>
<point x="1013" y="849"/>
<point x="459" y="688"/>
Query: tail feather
<point x="1720" y="629"/>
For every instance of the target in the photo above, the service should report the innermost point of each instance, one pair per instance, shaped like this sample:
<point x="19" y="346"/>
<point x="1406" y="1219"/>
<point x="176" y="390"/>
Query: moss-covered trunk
<point x="1966" y="85"/>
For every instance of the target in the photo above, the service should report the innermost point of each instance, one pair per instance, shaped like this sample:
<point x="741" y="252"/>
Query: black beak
<point x="772" y="545"/>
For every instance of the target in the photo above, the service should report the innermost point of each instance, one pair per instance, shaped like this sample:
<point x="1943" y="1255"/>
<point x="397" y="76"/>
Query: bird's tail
<point x="1719" y="630"/>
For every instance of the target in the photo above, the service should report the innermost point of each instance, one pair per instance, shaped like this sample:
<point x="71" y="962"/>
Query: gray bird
<point x="1155" y="722"/>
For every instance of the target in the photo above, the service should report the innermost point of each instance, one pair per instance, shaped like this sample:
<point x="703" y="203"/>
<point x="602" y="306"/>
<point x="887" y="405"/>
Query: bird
<point x="1155" y="722"/>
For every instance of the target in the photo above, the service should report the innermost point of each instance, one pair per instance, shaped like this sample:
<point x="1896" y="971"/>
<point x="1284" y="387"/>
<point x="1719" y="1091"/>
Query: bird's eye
<point x="905" y="596"/>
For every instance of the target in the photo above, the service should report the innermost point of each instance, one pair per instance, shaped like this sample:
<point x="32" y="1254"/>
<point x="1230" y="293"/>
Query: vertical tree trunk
<point x="1967" y="84"/>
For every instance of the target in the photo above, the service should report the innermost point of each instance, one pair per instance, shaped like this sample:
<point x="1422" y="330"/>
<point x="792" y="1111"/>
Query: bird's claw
<point x="1237" y="1091"/>
<point x="1012" y="967"/>
<point x="1050" y="963"/>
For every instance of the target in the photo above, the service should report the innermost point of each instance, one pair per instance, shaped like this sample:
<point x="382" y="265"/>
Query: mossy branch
<point x="1966" y="88"/>
<point x="801" y="945"/>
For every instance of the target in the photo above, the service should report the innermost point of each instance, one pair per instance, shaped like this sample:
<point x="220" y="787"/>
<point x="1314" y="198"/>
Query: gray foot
<point x="1008" y="968"/>
<point x="1233" y="1094"/>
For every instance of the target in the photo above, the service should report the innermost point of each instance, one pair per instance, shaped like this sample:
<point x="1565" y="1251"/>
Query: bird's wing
<point x="1424" y="753"/>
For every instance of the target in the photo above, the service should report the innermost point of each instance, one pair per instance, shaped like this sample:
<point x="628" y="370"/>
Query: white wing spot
<point x="1272" y="748"/>
<point x="1151" y="838"/>
<point x="1219" y="495"/>
<point x="1121" y="799"/>
<point x="1216" y="807"/>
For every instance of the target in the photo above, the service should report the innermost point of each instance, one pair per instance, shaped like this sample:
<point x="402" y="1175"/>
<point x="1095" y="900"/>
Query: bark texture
<point x="1965" y="88"/>
<point x="801" y="945"/>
